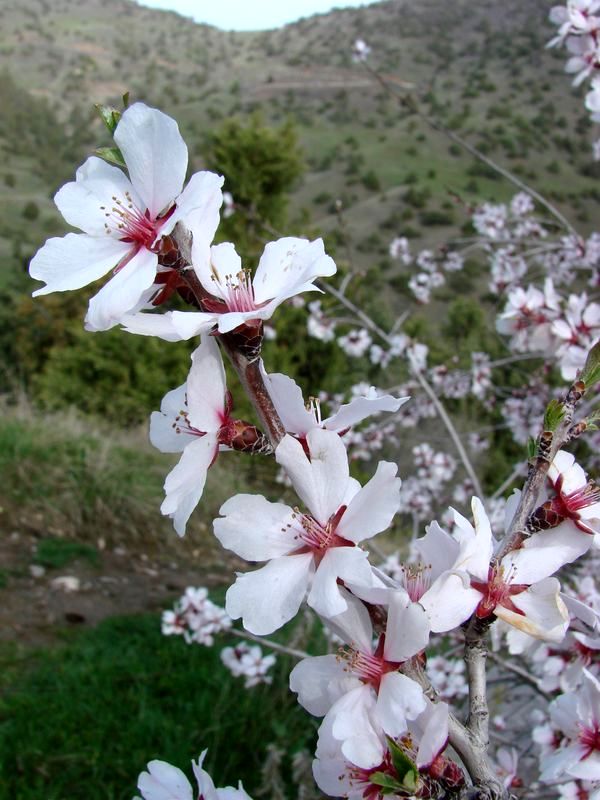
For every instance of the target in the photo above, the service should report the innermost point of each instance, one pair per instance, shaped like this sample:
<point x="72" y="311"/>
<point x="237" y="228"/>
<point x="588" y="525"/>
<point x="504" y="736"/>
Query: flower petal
<point x="164" y="434"/>
<point x="122" y="291"/>
<point x="74" y="261"/>
<point x="399" y="699"/>
<point x="164" y="782"/>
<point x="288" y="266"/>
<point x="347" y="563"/>
<point x="450" y="601"/>
<point x="353" y="724"/>
<point x="198" y="208"/>
<point x="269" y="597"/>
<point x="544" y="615"/>
<point x="360" y="408"/>
<point x="206" y="387"/>
<point x="319" y="682"/>
<point x="321" y="478"/>
<point x="256" y="529"/>
<point x="155" y="154"/>
<point x="542" y="554"/>
<point x="289" y="403"/>
<point x="185" y="483"/>
<point x="372" y="509"/>
<point x="407" y="631"/>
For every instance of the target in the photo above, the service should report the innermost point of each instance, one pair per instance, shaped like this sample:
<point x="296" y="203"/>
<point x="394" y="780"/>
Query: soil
<point x="36" y="608"/>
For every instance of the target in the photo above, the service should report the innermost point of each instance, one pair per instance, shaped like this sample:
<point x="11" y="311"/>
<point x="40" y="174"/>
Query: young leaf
<point x="590" y="374"/>
<point x="109" y="115"/>
<point x="553" y="415"/>
<point x="405" y="767"/>
<point x="112" y="155"/>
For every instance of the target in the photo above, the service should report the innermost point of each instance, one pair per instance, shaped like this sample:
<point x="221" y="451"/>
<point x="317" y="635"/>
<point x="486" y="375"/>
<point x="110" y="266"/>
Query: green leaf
<point x="112" y="155"/>
<point x="387" y="782"/>
<point x="126" y="99"/>
<point x="404" y="766"/>
<point x="590" y="374"/>
<point x="109" y="115"/>
<point x="553" y="415"/>
<point x="531" y="448"/>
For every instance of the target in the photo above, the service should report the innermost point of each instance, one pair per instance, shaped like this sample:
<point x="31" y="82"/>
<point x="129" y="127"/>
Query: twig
<point x="279" y="648"/>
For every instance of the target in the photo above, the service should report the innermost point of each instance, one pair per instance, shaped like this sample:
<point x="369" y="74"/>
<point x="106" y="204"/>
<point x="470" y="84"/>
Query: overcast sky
<point x="245" y="15"/>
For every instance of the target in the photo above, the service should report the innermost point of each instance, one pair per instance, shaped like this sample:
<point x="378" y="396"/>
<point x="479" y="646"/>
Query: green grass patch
<point x="81" y="721"/>
<point x="56" y="553"/>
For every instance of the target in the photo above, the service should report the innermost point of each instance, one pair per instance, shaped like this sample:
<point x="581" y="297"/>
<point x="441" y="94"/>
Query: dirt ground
<point x="37" y="604"/>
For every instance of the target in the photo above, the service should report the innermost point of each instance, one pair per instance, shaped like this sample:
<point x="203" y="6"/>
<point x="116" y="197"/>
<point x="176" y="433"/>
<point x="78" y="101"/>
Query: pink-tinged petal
<point x="544" y="615"/>
<point x="591" y="698"/>
<point x="206" y="387"/>
<point x="122" y="292"/>
<point x="289" y="266"/>
<point x="347" y="563"/>
<point x="256" y="529"/>
<point x="164" y="782"/>
<point x="320" y="682"/>
<point x="360" y="408"/>
<point x="269" y="597"/>
<point x="559" y="764"/>
<point x="206" y="787"/>
<point x="399" y="699"/>
<point x="353" y="625"/>
<point x="332" y="777"/>
<point x="542" y="554"/>
<point x="155" y="154"/>
<point x="435" y="735"/>
<point x="437" y="549"/>
<point x="74" y="261"/>
<point x="198" y="208"/>
<point x="476" y="551"/>
<point x="321" y="480"/>
<point x="588" y="769"/>
<point x="165" y="435"/>
<point x="90" y="202"/>
<point x="450" y="601"/>
<point x="289" y="403"/>
<point x="573" y="479"/>
<point x="372" y="509"/>
<point x="562" y="462"/>
<point x="407" y="630"/>
<point x="160" y="325"/>
<point x="185" y="483"/>
<point x="353" y="725"/>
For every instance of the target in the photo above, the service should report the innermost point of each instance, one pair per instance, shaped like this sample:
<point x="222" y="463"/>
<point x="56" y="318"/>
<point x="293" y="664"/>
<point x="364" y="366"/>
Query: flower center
<point x="128" y="223"/>
<point x="590" y="739"/>
<point x="497" y="592"/>
<point x="238" y="291"/>
<point x="318" y="537"/>
<point x="416" y="579"/>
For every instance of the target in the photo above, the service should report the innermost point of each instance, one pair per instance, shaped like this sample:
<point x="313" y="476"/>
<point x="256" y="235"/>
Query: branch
<point x="278" y="648"/>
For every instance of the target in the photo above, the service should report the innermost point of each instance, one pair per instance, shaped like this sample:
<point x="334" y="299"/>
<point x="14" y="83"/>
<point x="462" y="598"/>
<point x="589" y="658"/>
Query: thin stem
<point x="278" y="648"/>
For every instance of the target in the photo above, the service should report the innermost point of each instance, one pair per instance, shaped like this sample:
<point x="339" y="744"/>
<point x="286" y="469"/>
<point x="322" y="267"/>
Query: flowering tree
<point x="388" y="727"/>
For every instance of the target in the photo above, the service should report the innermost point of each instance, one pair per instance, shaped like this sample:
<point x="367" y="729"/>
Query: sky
<point x="246" y="15"/>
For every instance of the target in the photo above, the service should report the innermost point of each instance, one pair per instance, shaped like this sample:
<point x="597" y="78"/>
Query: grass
<point x="56" y="553"/>
<point x="81" y="721"/>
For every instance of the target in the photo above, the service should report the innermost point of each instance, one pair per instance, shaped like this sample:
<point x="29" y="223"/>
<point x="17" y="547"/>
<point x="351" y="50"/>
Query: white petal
<point x="437" y="549"/>
<point x="450" y="601"/>
<point x="407" y="630"/>
<point x="206" y="787"/>
<point x="558" y="764"/>
<point x="399" y="699"/>
<point x="374" y="506"/>
<point x="320" y="481"/>
<point x="542" y="554"/>
<point x="435" y="735"/>
<point x="350" y="563"/>
<point x="289" y="266"/>
<point x="561" y="462"/>
<point x="143" y="324"/>
<point x="289" y="403"/>
<point x="256" y="529"/>
<point x="269" y="597"/>
<point x="122" y="292"/>
<point x="87" y="202"/>
<point x="544" y="616"/>
<point x="188" y="324"/>
<point x="206" y="387"/>
<point x="319" y="682"/>
<point x="164" y="782"/>
<point x="353" y="724"/>
<point x="74" y="261"/>
<point x="360" y="408"/>
<point x="223" y="263"/>
<point x="198" y="208"/>
<point x="155" y="154"/>
<point x="163" y="434"/>
<point x="353" y="625"/>
<point x="185" y="483"/>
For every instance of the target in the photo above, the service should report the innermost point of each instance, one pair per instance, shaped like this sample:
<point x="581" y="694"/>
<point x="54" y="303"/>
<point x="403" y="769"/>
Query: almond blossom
<point x="360" y="691"/>
<point x="233" y="296"/>
<point x="124" y="218"/>
<point x="307" y="552"/>
<point x="516" y="589"/>
<point x="299" y="418"/>
<point x="575" y="497"/>
<point x="577" y="716"/>
<point x="163" y="781"/>
<point x="193" y="420"/>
